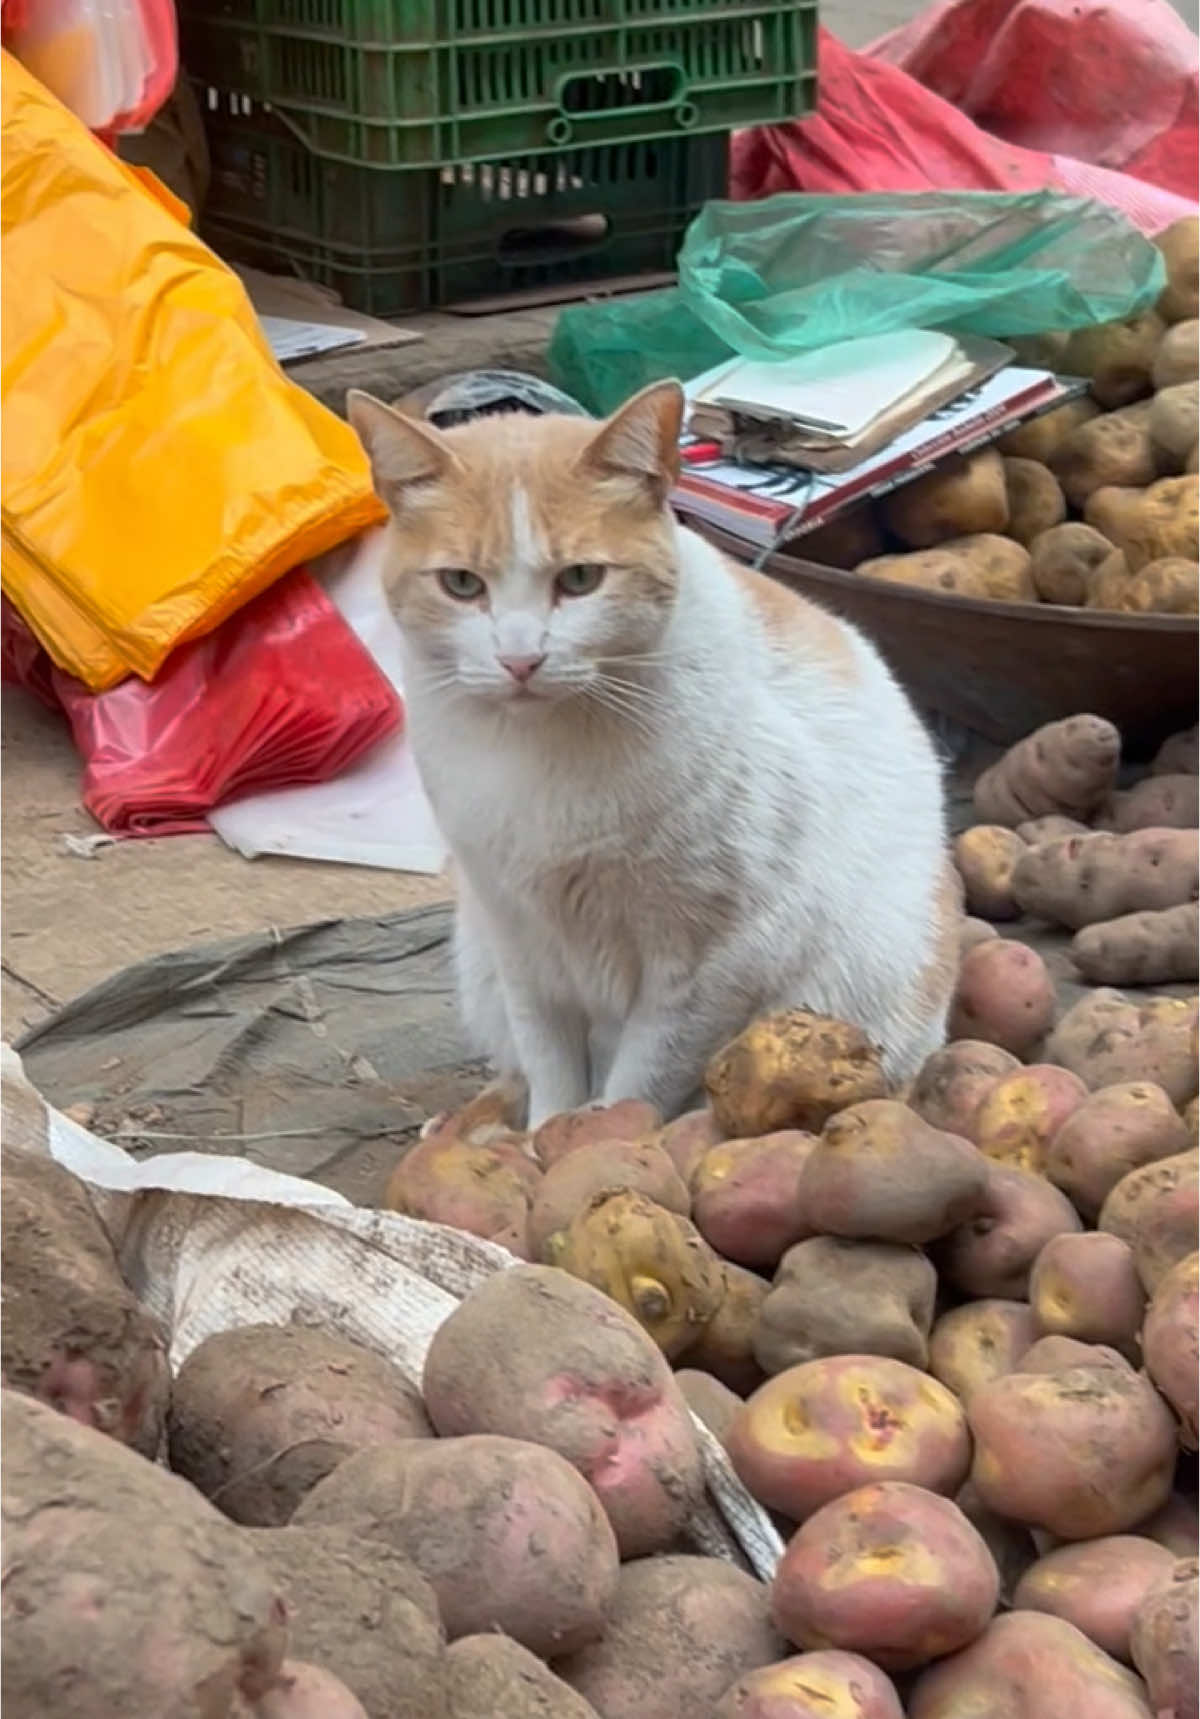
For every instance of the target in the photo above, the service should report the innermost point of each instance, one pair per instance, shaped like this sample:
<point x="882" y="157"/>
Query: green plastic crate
<point x="411" y="83"/>
<point x="417" y="238"/>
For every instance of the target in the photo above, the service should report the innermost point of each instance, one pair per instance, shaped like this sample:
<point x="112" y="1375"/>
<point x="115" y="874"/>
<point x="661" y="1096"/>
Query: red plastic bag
<point x="282" y="692"/>
<point x="877" y="129"/>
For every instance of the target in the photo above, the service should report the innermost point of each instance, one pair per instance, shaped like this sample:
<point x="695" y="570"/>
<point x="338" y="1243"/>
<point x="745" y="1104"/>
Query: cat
<point x="677" y="794"/>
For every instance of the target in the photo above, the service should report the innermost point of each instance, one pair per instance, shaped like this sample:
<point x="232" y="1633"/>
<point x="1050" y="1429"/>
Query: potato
<point x="1087" y="1286"/>
<point x="687" y="1139"/>
<point x="507" y="1534"/>
<point x="1151" y="948"/>
<point x="1028" y="1666"/>
<point x="1174" y="1526"/>
<point x="1005" y="996"/>
<point x="1111" y="451"/>
<point x="1062" y="1354"/>
<point x="725" y="1347"/>
<point x="1191" y="1120"/>
<point x="484" y="1189"/>
<point x="73" y="1334"/>
<point x="823" y="1685"/>
<point x="1115" y="1130"/>
<point x="125" y="1592"/>
<point x="1155" y="1210"/>
<point x="1040" y="438"/>
<point x="1064" y="559"/>
<point x="879" y="1173"/>
<point x="302" y="1691"/>
<point x="1173" y="422"/>
<point x="1035" y="502"/>
<point x="711" y="1401"/>
<point x="964" y="495"/>
<point x="985" y="856"/>
<point x="983" y="565"/>
<point x="745" y="1200"/>
<point x="1179" y="754"/>
<point x="497" y="1112"/>
<point x="681" y="1631"/>
<point x="1106" y="1039"/>
<point x="359" y="1608"/>
<point x="1178" y="356"/>
<point x="1156" y="802"/>
<point x="982" y="1341"/>
<point x="1163" y="1642"/>
<point x="1047" y="829"/>
<point x="490" y="1677"/>
<point x="891" y="1571"/>
<point x="651" y="1261"/>
<point x="602" y="1167"/>
<point x="1020" y="1116"/>
<point x="1180" y="244"/>
<point x="1097" y="1586"/>
<point x="630" y="1119"/>
<point x="953" y="1082"/>
<point x="823" y="1428"/>
<point x="1148" y="523"/>
<point x="1081" y="1452"/>
<point x="584" y="1379"/>
<point x="1117" y="356"/>
<point x="1067" y="767"/>
<point x="261" y="1414"/>
<point x="1167" y="586"/>
<point x="833" y="1297"/>
<point x="1083" y="880"/>
<point x="791" y="1070"/>
<point x="846" y="540"/>
<point x="993" y="1254"/>
<point x="972" y="931"/>
<point x="1170" y="1345"/>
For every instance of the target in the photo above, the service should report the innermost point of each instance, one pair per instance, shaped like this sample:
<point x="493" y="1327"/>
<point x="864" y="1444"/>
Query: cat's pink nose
<point x="521" y="668"/>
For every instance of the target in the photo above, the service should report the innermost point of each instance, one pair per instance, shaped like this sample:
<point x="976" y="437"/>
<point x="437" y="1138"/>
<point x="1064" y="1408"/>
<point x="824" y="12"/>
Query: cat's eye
<point x="580" y="580"/>
<point x="461" y="584"/>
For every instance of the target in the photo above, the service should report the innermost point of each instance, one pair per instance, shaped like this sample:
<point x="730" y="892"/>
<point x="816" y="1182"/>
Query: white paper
<point x="291" y="340"/>
<point x="376" y="813"/>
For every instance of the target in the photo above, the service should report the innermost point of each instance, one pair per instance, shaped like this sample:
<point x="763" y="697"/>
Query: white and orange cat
<point x="677" y="794"/>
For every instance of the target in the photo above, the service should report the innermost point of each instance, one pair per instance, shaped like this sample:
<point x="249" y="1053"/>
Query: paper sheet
<point x="290" y="340"/>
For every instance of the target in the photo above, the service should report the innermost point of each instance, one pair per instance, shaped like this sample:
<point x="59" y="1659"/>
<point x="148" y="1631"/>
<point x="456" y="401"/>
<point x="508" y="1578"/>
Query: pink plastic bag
<point x="282" y="692"/>
<point x="878" y="129"/>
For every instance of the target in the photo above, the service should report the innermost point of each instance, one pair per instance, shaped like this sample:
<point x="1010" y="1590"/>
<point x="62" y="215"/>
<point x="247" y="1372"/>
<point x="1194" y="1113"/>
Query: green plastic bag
<point x="791" y="273"/>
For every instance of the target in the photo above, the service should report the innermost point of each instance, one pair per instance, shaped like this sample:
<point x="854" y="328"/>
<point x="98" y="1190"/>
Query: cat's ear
<point x="641" y="440"/>
<point x="403" y="451"/>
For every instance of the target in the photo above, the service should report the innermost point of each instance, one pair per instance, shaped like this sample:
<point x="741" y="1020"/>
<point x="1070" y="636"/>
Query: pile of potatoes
<point x="1059" y="842"/>
<point x="1093" y="505"/>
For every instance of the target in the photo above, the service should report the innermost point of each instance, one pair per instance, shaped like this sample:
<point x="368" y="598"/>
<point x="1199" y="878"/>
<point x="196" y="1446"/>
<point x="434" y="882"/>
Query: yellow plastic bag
<point x="158" y="469"/>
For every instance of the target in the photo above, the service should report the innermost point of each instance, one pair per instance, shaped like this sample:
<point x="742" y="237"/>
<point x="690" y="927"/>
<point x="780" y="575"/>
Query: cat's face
<point x="531" y="559"/>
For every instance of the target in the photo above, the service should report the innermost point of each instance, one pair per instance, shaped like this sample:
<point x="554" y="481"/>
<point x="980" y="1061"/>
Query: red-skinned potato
<point x="792" y="1070"/>
<point x="601" y="1167"/>
<point x="302" y="1691"/>
<point x="1097" y="1585"/>
<point x="1163" y="1642"/>
<point x="993" y="1254"/>
<point x="980" y="1341"/>
<point x="725" y="1347"/>
<point x="1106" y="1038"/>
<point x="879" y="1173"/>
<point x="1061" y="1354"/>
<point x="680" y="1632"/>
<point x="745" y="1200"/>
<point x="1019" y="1117"/>
<point x="955" y="1080"/>
<point x="1026" y="1665"/>
<point x="825" y="1427"/>
<point x="835" y="1297"/>
<point x="629" y="1119"/>
<point x="1169" y="1344"/>
<point x="507" y="1534"/>
<point x="1087" y="1286"/>
<point x="1081" y="1453"/>
<point x="890" y="1571"/>
<point x="1115" y="1130"/>
<point x="484" y="1189"/>
<point x="586" y="1380"/>
<point x="1005" y="996"/>
<point x="972" y="931"/>
<point x="687" y="1139"/>
<point x="1175" y="1526"/>
<point x="822" y="1685"/>
<point x="1156" y="1211"/>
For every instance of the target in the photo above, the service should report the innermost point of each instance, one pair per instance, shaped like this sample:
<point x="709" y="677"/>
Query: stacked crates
<point x="414" y="152"/>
